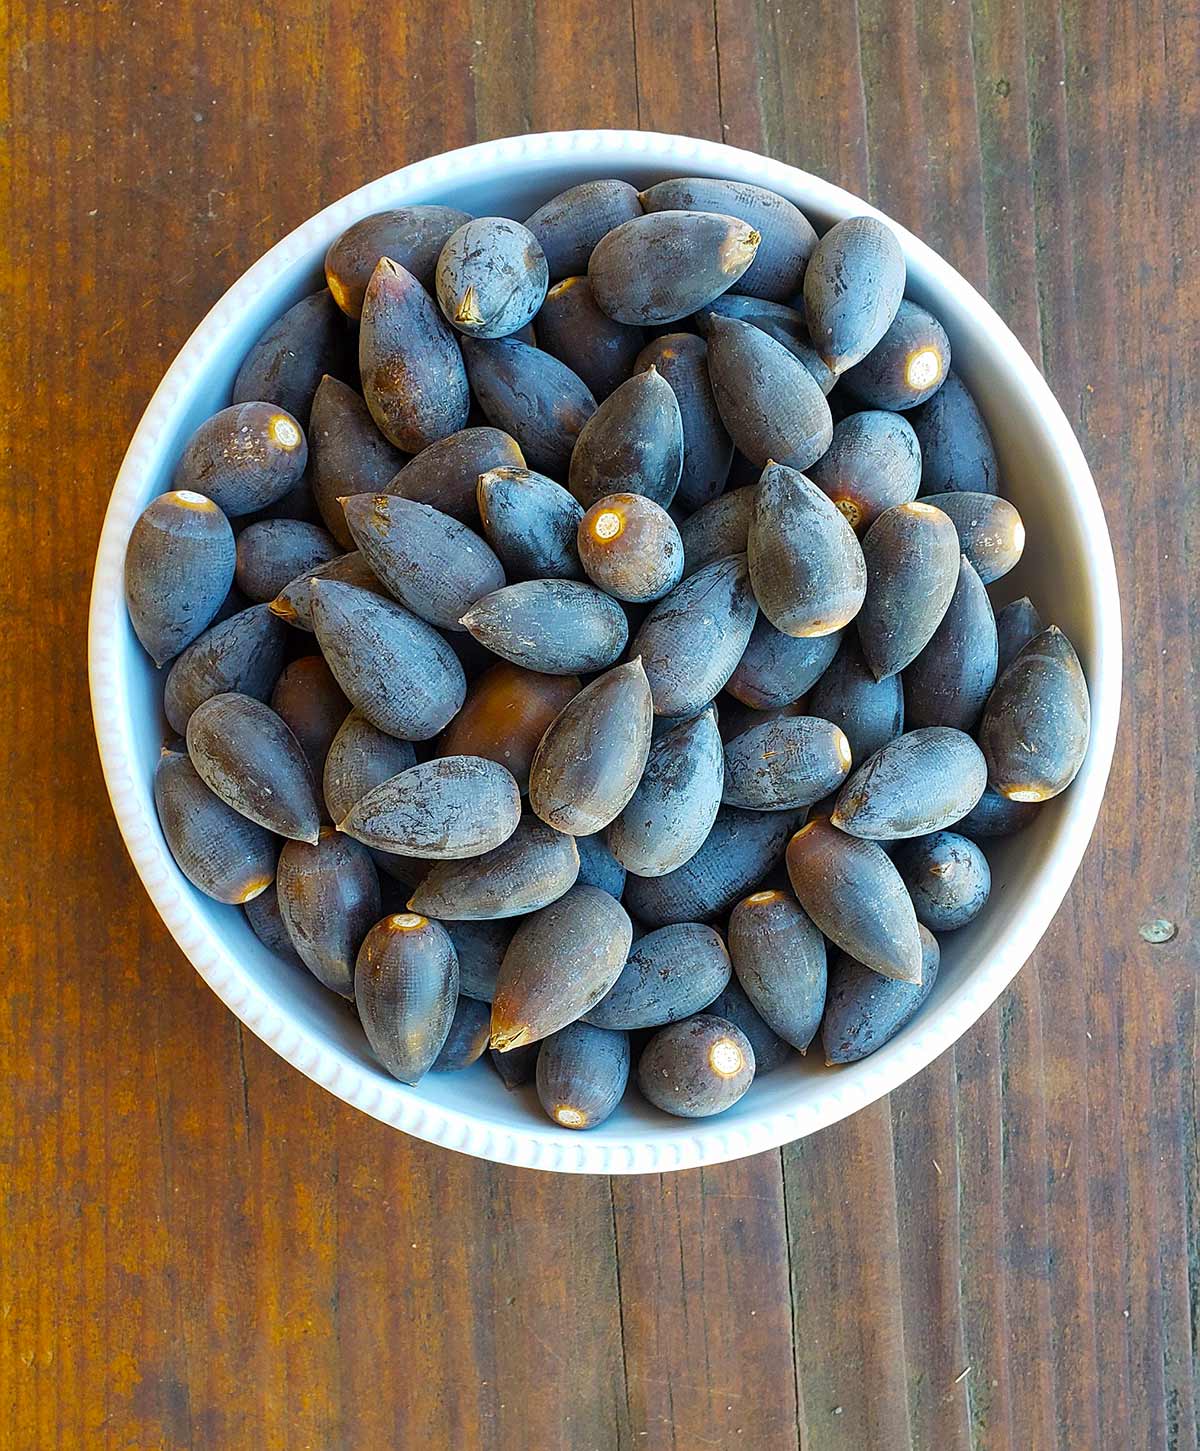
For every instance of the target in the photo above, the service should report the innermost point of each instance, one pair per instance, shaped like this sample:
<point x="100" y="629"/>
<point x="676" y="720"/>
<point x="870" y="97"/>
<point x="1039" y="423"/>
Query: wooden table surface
<point x="201" y="1249"/>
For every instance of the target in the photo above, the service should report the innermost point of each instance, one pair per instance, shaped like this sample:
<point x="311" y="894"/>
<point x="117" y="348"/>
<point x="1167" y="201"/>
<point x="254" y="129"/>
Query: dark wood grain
<point x="198" y="1247"/>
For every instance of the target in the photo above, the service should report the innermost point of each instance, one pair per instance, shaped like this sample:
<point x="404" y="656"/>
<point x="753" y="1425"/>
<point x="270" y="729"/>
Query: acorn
<point x="225" y="855"/>
<point x="293" y="603"/>
<point x="682" y="360"/>
<point x="806" y="564"/>
<point x="349" y="454"/>
<point x="907" y="365"/>
<point x="445" y="474"/>
<point x="669" y="816"/>
<point x="696" y="1068"/>
<point x="480" y="949"/>
<point x="670" y="974"/>
<point x="554" y="626"/>
<point x="950" y="680"/>
<point x="406" y="991"/>
<point x="598" y="867"/>
<point x="561" y="962"/>
<point x="570" y="224"/>
<point x="1016" y="624"/>
<point x="779" y="958"/>
<point x="467" y="1040"/>
<point x="853" y="288"/>
<point x="777" y="669"/>
<point x="394" y="667"/>
<point x="990" y="531"/>
<point x="412" y="371"/>
<point x="286" y="365"/>
<point x="491" y="277"/>
<point x="414" y="236"/>
<point x="947" y="877"/>
<point x="591" y="758"/>
<point x="444" y="809"/>
<point x="242" y="653"/>
<point x="735" y="719"/>
<point x="692" y="639"/>
<point x="784" y="764"/>
<point x="1037" y="722"/>
<point x="633" y="442"/>
<point x="873" y="464"/>
<point x="784" y="324"/>
<point x="179" y="565"/>
<point x="769" y="402"/>
<point x="956" y="448"/>
<point x="262" y="913"/>
<point x="272" y="552"/>
<point x="531" y="522"/>
<point x="630" y="548"/>
<point x="506" y="713"/>
<point x="994" y="815"/>
<point x="244" y="458"/>
<point x="311" y="703"/>
<point x="245" y="754"/>
<point x="855" y="896"/>
<point x="572" y="328"/>
<point x="922" y="781"/>
<point x="869" y="711"/>
<point x="532" y="396"/>
<point x="581" y="1074"/>
<point x="770" y="1050"/>
<point x="360" y="758"/>
<point x="912" y="558"/>
<point x="328" y="898"/>
<point x="660" y="267"/>
<point x="717" y="529"/>
<point x="517" y="1068"/>
<point x="863" y="1010"/>
<point x="532" y="868"/>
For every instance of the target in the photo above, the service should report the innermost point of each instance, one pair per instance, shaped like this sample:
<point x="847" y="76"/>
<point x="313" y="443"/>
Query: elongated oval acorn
<point x="293" y="603"/>
<point x="777" y="669"/>
<point x="956" y="447"/>
<point x="581" y="1074"/>
<point x="630" y="548"/>
<point x="734" y="857"/>
<point x="769" y="402"/>
<point x="784" y="324"/>
<point x="869" y="711"/>
<point x="1037" y="722"/>
<point x="480" y="948"/>
<point x="681" y="359"/>
<point x="267" y="924"/>
<point x="770" y="1050"/>
<point x="179" y="566"/>
<point x="286" y="365"/>
<point x="598" y="867"/>
<point x="873" y="463"/>
<point x="435" y="566"/>
<point x="717" y="529"/>
<point x="273" y="552"/>
<point x="328" y="898"/>
<point x="244" y="458"/>
<point x="491" y="277"/>
<point x="570" y="224"/>
<point x="660" y="267"/>
<point x="786" y="763"/>
<point x="947" y="877"/>
<point x="245" y="754"/>
<point x="561" y="962"/>
<point x="445" y="474"/>
<point x="950" y="680"/>
<point x="806" y="565"/>
<point x="994" y="815"/>
<point x="990" y="531"/>
<point x="670" y="974"/>
<point x="907" y="365"/>
<point x="360" y="758"/>
<point x="854" y="894"/>
<point x="633" y="443"/>
<point x="349" y="454"/>
<point x="310" y="701"/>
<point x="534" y="867"/>
<point x="912" y="557"/>
<point x="572" y="328"/>
<point x="225" y="855"/>
<point x="922" y="781"/>
<point x="394" y="667"/>
<point x="779" y="957"/>
<point x="735" y="719"/>
<point x="506" y="713"/>
<point x="668" y="818"/>
<point x="692" y="639"/>
<point x="853" y="288"/>
<point x="446" y="808"/>
<point x="1016" y="624"/>
<point x="531" y="522"/>
<point x="864" y="1010"/>
<point x="242" y="653"/>
<point x="696" y="1068"/>
<point x="413" y="236"/>
<point x="591" y="758"/>
<point x="406" y="991"/>
<point x="467" y="1040"/>
<point x="412" y="371"/>
<point x="554" y="626"/>
<point x="786" y="235"/>
<point x="531" y="396"/>
<point x="517" y="1068"/>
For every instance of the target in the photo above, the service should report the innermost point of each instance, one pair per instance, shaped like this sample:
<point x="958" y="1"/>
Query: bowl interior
<point x="1067" y="570"/>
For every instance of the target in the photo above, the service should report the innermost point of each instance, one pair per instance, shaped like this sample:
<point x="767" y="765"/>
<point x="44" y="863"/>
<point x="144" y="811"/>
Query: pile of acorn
<point x="561" y="657"/>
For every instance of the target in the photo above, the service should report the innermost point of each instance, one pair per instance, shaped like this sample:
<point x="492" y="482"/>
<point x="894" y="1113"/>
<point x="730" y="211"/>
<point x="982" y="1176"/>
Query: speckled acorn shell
<point x="533" y="397"/>
<point x="670" y="974"/>
<point x="349" y="454"/>
<point x="633" y="443"/>
<point x="534" y="867"/>
<point x="864" y="1010"/>
<point x="244" y="653"/>
<point x="907" y="365"/>
<point x="873" y="464"/>
<point x="572" y="328"/>
<point x="406" y="991"/>
<point x="531" y="522"/>
<point x="413" y="236"/>
<point x="310" y="700"/>
<point x="777" y="669"/>
<point x="581" y="1074"/>
<point x="445" y="474"/>
<point x="785" y="764"/>
<point x="293" y="603"/>
<point x="784" y="324"/>
<point x="779" y="957"/>
<point x="273" y="552"/>
<point x="853" y="287"/>
<point x="328" y="898"/>
<point x="681" y="359"/>
<point x="491" y="277"/>
<point x="696" y="1068"/>
<point x="630" y="548"/>
<point x="869" y="711"/>
<point x="444" y="809"/>
<point x="554" y="626"/>
<point x="990" y="531"/>
<point x="243" y="458"/>
<point x="569" y="225"/>
<point x="286" y="365"/>
<point x="947" y="877"/>
<point x="360" y="758"/>
<point x="923" y="781"/>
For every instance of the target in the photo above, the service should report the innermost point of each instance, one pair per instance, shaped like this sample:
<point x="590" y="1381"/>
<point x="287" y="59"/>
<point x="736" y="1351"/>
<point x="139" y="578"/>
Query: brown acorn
<point x="349" y="454"/>
<point x="226" y="856"/>
<point x="505" y="716"/>
<point x="532" y="868"/>
<point x="328" y="898"/>
<point x="630" y="548"/>
<point x="696" y="1068"/>
<point x="581" y="1074"/>
<point x="414" y="236"/>
<point x="406" y="990"/>
<point x="444" y="475"/>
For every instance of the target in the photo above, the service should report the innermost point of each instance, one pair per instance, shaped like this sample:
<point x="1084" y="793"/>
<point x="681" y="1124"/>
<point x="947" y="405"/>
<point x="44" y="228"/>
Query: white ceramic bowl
<point x="1068" y="570"/>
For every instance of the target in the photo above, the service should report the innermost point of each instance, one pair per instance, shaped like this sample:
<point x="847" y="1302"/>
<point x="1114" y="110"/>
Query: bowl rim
<point x="545" y="1146"/>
